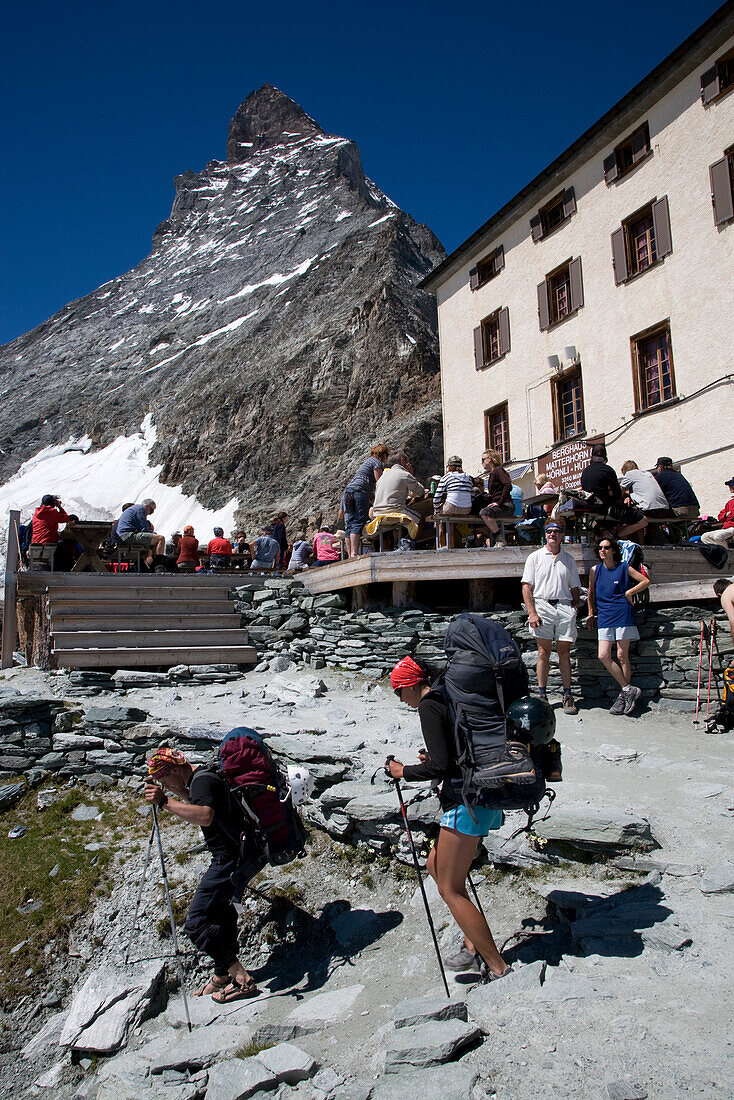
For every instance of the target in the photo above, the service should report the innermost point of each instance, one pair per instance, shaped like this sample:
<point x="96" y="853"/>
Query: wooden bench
<point x="41" y="556"/>
<point x="505" y="523"/>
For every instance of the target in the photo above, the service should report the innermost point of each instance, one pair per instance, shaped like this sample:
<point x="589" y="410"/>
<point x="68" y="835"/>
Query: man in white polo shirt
<point x="551" y="593"/>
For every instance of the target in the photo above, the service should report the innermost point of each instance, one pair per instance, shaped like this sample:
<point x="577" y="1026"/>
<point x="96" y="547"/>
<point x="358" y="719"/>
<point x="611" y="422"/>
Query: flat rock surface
<point x="429" y="1044"/>
<point x="238" y="1078"/>
<point x="106" y="1006"/>
<point x="451" y="1082"/>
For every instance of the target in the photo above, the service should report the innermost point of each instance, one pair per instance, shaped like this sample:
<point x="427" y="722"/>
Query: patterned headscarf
<point x="407" y="673"/>
<point x="162" y="760"/>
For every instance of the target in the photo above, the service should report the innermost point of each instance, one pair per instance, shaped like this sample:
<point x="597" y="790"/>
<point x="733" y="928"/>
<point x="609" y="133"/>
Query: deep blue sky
<point x="455" y="106"/>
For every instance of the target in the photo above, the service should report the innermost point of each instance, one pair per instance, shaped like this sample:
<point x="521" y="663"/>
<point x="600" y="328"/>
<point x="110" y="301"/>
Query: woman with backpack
<point x="451" y="857"/>
<point x="610" y="608"/>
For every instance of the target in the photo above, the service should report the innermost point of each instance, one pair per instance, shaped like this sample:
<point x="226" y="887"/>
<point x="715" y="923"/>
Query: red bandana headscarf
<point x="406" y="674"/>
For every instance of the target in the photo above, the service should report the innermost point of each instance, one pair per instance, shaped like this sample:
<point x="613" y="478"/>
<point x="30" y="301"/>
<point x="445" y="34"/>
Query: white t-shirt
<point x="552" y="576"/>
<point x="644" y="490"/>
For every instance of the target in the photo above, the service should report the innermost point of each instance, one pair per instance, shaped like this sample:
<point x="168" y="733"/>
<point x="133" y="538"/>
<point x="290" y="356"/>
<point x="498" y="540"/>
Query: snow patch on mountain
<point x="95" y="485"/>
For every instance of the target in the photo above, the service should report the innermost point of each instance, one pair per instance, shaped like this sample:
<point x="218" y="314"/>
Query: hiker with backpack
<point x="724" y="589"/>
<point x="610" y="604"/>
<point x="451" y="857"/>
<point x="551" y="591"/>
<point x="203" y="799"/>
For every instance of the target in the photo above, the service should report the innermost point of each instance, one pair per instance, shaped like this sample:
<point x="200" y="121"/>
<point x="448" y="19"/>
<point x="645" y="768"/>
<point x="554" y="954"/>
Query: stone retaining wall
<point x="286" y="623"/>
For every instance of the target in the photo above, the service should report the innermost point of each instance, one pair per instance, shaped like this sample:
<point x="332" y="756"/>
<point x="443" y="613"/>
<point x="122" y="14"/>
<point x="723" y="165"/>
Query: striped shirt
<point x="455" y="488"/>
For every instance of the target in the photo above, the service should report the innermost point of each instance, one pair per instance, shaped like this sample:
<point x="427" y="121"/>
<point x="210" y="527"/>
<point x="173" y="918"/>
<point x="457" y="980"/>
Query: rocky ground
<point x="618" y="917"/>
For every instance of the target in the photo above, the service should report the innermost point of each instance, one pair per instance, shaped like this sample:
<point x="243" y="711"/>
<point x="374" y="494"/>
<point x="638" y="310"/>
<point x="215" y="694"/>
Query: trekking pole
<point x="174" y="937"/>
<point x="711" y="666"/>
<point x="700" y="663"/>
<point x="143" y="877"/>
<point x="476" y="895"/>
<point x="418" y="872"/>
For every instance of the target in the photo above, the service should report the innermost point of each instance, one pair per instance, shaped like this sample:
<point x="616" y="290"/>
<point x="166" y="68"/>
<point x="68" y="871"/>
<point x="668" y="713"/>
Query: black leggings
<point x="211" y="922"/>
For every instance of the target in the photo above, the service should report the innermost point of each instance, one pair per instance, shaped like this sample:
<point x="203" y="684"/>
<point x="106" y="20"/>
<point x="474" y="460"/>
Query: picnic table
<point x="89" y="533"/>
<point x="541" y="498"/>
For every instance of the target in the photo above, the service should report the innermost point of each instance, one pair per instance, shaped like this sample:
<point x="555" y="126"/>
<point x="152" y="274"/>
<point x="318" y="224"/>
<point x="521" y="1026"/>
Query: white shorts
<point x="618" y="633"/>
<point x="557" y="622"/>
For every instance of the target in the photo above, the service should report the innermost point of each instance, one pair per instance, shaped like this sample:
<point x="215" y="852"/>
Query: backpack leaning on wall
<point x="485" y="675"/>
<point x="724" y="716"/>
<point x="262" y="794"/>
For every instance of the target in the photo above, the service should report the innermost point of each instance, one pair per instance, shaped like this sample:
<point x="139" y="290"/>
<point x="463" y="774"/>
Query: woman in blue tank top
<point x="610" y="607"/>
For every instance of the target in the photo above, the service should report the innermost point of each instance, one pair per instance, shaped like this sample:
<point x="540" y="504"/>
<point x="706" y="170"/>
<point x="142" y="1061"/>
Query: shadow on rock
<point x="620" y="925"/>
<point x="313" y="947"/>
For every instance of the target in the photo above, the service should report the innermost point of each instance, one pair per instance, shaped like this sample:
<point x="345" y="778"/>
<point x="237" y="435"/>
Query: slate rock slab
<point x="48" y="1036"/>
<point x="84" y="812"/>
<point x="326" y="1007"/>
<point x="429" y="1044"/>
<point x="421" y="1010"/>
<point x="296" y="688"/>
<point x="198" y="1050"/>
<point x="482" y="1000"/>
<point x="107" y="1005"/>
<point x="10" y="793"/>
<point x="238" y="1078"/>
<point x="598" y="829"/>
<point x="452" y="1082"/>
<point x="718" y="878"/>
<point x="288" y="1063"/>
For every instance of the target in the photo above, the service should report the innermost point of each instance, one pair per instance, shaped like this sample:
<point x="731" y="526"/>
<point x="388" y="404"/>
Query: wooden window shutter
<point x="504" y="322"/>
<point x="569" y="202"/>
<point x="536" y="228"/>
<point x="661" y="224"/>
<point x="478" y="347"/>
<point x="709" y="84"/>
<point x="577" y="286"/>
<point x="640" y="143"/>
<point x="721" y="191"/>
<point x="636" y="366"/>
<point x="543" y="310"/>
<point x="499" y="259"/>
<point x="611" y="171"/>
<point x="619" y="256"/>
<point x="474" y="278"/>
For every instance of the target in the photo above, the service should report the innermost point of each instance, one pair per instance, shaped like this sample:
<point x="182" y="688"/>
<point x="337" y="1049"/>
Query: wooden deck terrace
<point x="680" y="574"/>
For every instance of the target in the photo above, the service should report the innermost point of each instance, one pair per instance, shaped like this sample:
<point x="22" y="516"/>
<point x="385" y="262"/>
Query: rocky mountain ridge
<point x="274" y="332"/>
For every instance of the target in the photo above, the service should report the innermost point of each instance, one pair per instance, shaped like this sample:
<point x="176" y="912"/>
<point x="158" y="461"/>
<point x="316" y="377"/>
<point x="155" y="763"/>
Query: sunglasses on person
<point x="553" y="531"/>
<point x="604" y="546"/>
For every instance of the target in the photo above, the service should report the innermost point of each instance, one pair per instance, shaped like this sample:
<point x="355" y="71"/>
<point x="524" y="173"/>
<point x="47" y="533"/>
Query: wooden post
<point x="481" y="594"/>
<point x="11" y="572"/>
<point x="403" y="592"/>
<point x="359" y="596"/>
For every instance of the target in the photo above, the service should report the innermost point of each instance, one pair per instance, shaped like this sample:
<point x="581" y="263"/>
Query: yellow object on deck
<point x="388" y="520"/>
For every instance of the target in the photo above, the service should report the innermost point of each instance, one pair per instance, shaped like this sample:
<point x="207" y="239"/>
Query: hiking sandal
<point x="214" y="984"/>
<point x="235" y="991"/>
<point x="488" y="975"/>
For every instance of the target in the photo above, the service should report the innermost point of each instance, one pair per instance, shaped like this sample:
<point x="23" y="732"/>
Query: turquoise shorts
<point x="459" y="818"/>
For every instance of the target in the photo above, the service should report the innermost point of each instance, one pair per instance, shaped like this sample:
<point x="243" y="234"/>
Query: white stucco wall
<point x="693" y="287"/>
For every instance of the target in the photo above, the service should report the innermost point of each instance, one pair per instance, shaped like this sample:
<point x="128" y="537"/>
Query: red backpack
<point x="262" y="793"/>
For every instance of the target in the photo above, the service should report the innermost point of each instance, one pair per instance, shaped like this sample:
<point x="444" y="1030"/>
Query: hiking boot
<point x="631" y="695"/>
<point x="617" y="706"/>
<point x="487" y="975"/>
<point x="569" y="707"/>
<point x="462" y="960"/>
<point x="552" y="763"/>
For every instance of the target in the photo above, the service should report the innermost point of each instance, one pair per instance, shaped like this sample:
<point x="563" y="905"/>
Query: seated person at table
<point x="498" y="493"/>
<point x="219" y="550"/>
<point x="188" y="551"/>
<point x="454" y="494"/>
<point x="678" y="490"/>
<point x="240" y="545"/>
<point x="172" y="545"/>
<point x="600" y="480"/>
<point x="323" y="547"/>
<point x="46" y="520"/>
<point x="643" y="489"/>
<point x="280" y="535"/>
<point x="135" y="529"/>
<point x="397" y="485"/>
<point x="265" y="551"/>
<point x="301" y="554"/>
<point x="724" y="537"/>
<point x="536" y="514"/>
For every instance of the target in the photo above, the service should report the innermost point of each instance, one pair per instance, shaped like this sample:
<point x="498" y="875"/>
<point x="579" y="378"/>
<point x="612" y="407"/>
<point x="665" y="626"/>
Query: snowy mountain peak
<point x="267" y="117"/>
